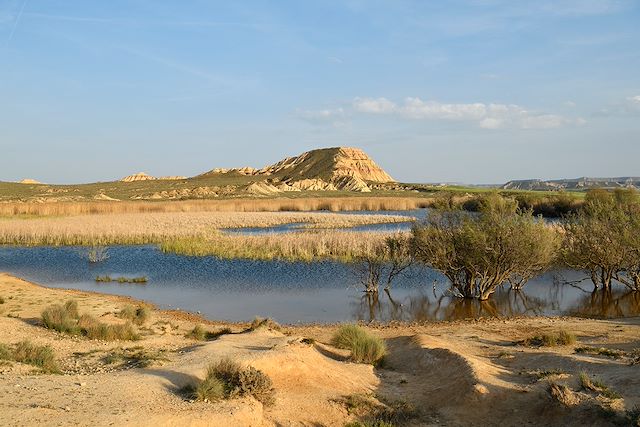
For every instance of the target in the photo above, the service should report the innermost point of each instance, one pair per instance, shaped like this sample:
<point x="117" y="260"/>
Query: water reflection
<point x="504" y="303"/>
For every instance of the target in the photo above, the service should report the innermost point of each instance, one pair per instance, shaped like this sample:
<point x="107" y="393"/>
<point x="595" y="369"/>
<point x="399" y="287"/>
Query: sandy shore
<point x="451" y="373"/>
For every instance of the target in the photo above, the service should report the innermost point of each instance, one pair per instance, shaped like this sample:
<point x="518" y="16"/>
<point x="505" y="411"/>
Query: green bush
<point x="478" y="253"/>
<point x="365" y="348"/>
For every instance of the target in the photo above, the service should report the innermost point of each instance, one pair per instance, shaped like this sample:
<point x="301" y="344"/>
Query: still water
<point x="238" y="290"/>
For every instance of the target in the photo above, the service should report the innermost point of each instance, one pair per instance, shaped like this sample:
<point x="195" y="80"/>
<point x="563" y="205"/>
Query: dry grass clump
<point x="138" y="315"/>
<point x="373" y="413"/>
<point x="66" y="319"/>
<point x="267" y="323"/>
<point x="2" y="301"/>
<point x="365" y="348"/>
<point x="199" y="333"/>
<point x="41" y="356"/>
<point x="135" y="357"/>
<point x="5" y="352"/>
<point x="227" y="379"/>
<point x="563" y="394"/>
<point x="560" y="338"/>
<point x="598" y="386"/>
<point x="602" y="351"/>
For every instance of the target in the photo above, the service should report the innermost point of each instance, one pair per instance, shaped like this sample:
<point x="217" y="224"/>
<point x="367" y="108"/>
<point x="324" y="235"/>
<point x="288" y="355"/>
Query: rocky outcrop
<point x="29" y="181"/>
<point x="328" y="164"/>
<point x="140" y="176"/>
<point x="573" y="184"/>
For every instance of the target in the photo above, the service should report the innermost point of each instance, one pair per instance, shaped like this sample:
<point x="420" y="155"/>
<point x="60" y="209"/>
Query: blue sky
<point x="475" y="91"/>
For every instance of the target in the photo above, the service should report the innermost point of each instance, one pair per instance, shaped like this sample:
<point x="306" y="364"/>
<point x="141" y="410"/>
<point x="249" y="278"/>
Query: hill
<point x="338" y="169"/>
<point x="583" y="183"/>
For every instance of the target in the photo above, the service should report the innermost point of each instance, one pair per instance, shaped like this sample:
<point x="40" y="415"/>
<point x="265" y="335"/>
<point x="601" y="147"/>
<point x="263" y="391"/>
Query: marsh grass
<point x="108" y="279"/>
<point x="42" y="357"/>
<point x="66" y="319"/>
<point x="561" y="338"/>
<point x="227" y="379"/>
<point x="332" y="204"/>
<point x="364" y="347"/>
<point x="305" y="246"/>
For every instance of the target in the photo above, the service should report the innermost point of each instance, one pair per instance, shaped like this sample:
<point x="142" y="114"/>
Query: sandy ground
<point x="464" y="373"/>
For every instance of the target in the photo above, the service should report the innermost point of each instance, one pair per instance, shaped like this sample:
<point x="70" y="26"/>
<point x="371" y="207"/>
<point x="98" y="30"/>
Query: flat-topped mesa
<point x="141" y="176"/>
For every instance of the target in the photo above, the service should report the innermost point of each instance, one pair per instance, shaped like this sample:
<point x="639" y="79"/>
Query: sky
<point x="469" y="91"/>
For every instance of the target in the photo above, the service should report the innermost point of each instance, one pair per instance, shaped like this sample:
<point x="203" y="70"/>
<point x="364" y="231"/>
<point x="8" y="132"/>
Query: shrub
<point x="478" y="253"/>
<point x="268" y="323"/>
<point x="364" y="347"/>
<point x="40" y="356"/>
<point x="227" y="379"/>
<point x="603" y="238"/>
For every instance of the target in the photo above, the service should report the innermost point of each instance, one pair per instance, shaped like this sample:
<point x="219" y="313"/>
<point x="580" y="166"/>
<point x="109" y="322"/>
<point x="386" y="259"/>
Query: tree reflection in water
<point x="429" y="306"/>
<point x="608" y="303"/>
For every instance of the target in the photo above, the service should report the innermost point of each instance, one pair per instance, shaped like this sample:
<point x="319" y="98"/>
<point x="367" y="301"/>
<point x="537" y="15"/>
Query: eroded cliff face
<point x="329" y="164"/>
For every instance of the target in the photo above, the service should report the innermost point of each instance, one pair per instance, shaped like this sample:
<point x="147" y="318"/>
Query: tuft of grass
<point x="547" y="373"/>
<point x="137" y="315"/>
<point x="2" y="301"/>
<point x="66" y="319"/>
<point x="41" y="356"/>
<point x="135" y="357"/>
<point x="94" y="329"/>
<point x="268" y="323"/>
<point x="598" y="386"/>
<point x="5" y="352"/>
<point x="562" y="337"/>
<point x="226" y="379"/>
<point x="374" y="413"/>
<point x="365" y="348"/>
<point x="62" y="318"/>
<point x="608" y="352"/>
<point x="199" y="333"/>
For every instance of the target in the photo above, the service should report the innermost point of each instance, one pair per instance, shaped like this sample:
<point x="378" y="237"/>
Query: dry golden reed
<point x="333" y="204"/>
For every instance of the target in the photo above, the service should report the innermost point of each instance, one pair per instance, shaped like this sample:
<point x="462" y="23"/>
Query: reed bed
<point x="345" y="246"/>
<point x="333" y="204"/>
<point x="144" y="228"/>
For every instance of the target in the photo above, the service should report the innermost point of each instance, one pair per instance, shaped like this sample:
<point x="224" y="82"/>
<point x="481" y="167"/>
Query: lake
<point x="296" y="292"/>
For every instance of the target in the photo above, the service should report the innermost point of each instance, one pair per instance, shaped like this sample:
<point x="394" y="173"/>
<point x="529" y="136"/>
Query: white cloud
<point x="375" y="106"/>
<point x="333" y="116"/>
<point x="634" y="99"/>
<point x="486" y="116"/>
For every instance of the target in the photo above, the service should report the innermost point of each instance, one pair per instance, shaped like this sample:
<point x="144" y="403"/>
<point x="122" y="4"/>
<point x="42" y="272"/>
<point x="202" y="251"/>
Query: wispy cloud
<point x="17" y="21"/>
<point x="630" y="106"/>
<point x="486" y="116"/>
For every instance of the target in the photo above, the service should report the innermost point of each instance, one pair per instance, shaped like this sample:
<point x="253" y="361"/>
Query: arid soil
<point x="466" y="373"/>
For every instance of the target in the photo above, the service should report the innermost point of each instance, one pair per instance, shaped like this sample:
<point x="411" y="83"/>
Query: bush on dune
<point x="365" y="348"/>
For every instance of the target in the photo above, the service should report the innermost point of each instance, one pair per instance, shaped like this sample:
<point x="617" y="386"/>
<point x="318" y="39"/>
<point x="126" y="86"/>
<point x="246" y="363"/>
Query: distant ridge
<point x="583" y="183"/>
